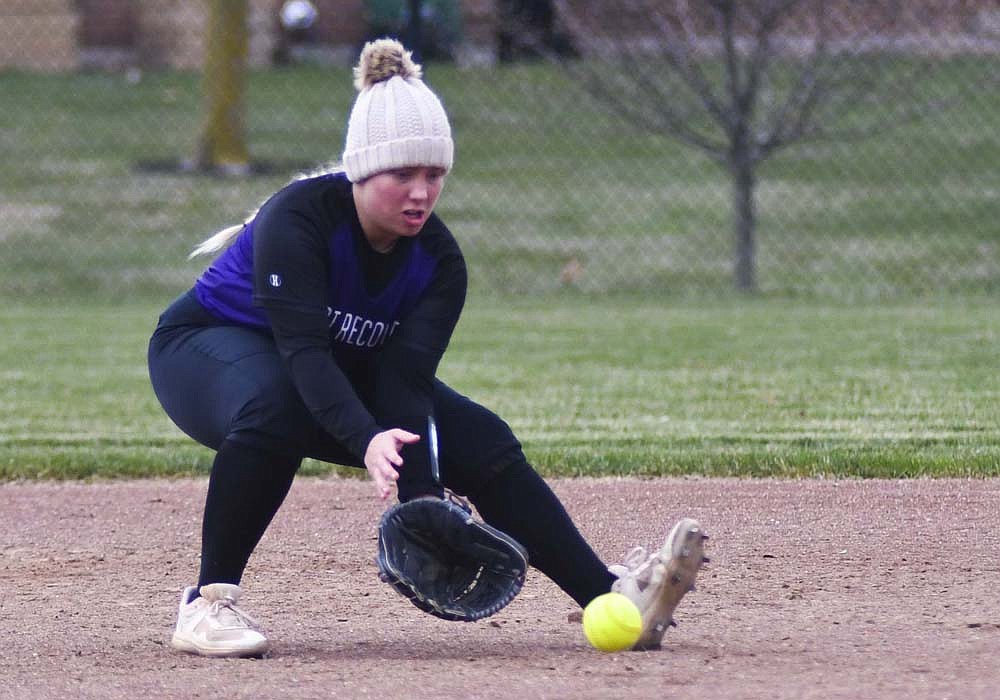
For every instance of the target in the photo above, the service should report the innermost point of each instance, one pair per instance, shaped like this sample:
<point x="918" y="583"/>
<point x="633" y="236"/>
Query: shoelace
<point x="232" y="615"/>
<point x="631" y="563"/>
<point x="636" y="558"/>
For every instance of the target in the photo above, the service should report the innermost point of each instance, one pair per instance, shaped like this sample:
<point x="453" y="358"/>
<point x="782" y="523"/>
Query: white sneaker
<point x="657" y="582"/>
<point x="212" y="625"/>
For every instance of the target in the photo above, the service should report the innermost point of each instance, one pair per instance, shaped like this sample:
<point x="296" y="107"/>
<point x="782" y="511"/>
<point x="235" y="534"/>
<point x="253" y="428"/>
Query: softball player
<point x="317" y="332"/>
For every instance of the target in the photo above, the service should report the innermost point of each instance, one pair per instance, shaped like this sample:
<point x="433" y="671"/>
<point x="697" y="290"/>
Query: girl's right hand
<point x="382" y="457"/>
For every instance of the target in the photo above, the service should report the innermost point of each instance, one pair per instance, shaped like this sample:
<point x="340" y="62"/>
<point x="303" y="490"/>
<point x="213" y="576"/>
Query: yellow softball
<point x="611" y="622"/>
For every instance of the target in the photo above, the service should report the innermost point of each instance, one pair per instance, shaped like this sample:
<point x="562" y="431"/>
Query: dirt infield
<point x="817" y="589"/>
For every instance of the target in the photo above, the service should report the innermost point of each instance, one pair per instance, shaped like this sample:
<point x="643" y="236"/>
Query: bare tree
<point x="741" y="79"/>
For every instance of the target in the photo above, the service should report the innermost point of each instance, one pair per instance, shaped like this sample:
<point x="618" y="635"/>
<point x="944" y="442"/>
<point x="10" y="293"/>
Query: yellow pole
<point x="222" y="146"/>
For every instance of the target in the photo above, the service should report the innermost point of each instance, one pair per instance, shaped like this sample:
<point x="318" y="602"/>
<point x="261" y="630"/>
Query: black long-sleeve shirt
<point x="360" y="332"/>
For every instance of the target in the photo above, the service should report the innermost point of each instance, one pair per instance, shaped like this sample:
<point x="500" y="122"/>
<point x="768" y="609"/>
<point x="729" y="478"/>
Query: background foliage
<point x="550" y="193"/>
<point x="603" y="323"/>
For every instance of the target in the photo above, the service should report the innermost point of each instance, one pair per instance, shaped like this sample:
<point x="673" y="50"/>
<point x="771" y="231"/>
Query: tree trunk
<point x="745" y="221"/>
<point x="222" y="145"/>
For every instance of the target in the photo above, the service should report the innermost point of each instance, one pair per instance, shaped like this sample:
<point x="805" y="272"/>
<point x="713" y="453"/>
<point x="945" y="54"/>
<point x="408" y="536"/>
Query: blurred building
<point x="62" y="35"/>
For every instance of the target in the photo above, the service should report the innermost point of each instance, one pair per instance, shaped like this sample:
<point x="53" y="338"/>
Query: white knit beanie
<point x="396" y="120"/>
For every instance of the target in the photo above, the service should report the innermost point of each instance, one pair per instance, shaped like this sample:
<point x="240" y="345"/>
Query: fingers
<point x="384" y="479"/>
<point x="397" y="438"/>
<point x="382" y="457"/>
<point x="383" y="475"/>
<point x="394" y="458"/>
<point x="403" y="436"/>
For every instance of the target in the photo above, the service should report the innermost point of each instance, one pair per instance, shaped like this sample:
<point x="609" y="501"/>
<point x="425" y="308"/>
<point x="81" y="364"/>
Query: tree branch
<point x="802" y="96"/>
<point x="725" y="22"/>
<point x="655" y="107"/>
<point x="680" y="56"/>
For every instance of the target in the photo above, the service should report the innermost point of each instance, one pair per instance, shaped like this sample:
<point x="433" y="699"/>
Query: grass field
<point x="601" y="387"/>
<point x="871" y="350"/>
<point x="543" y="176"/>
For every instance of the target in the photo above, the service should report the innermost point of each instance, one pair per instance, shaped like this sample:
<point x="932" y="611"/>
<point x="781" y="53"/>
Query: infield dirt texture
<point x="817" y="589"/>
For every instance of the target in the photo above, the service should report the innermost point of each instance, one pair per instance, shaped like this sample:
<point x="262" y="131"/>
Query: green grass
<point x="543" y="176"/>
<point x="870" y="351"/>
<point x="753" y="388"/>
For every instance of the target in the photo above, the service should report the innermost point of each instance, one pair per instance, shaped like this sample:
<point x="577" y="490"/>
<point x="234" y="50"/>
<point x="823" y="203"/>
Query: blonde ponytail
<point x="217" y="242"/>
<point x="221" y="240"/>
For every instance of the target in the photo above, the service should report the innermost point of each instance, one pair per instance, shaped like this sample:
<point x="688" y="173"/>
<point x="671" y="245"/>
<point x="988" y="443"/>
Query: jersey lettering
<point x="356" y="330"/>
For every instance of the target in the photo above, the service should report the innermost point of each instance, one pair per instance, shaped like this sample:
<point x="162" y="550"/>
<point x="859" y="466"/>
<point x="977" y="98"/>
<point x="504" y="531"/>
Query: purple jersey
<point x="360" y="319"/>
<point x="226" y="287"/>
<point x="360" y="332"/>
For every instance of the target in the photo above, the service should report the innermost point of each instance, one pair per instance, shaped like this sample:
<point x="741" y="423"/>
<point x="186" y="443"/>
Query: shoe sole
<point x="181" y="644"/>
<point x="681" y="557"/>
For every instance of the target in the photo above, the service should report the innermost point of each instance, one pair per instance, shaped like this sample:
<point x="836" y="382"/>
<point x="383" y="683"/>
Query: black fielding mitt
<point x="447" y="563"/>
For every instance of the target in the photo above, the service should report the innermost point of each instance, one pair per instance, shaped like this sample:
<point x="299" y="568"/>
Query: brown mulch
<point x="817" y="589"/>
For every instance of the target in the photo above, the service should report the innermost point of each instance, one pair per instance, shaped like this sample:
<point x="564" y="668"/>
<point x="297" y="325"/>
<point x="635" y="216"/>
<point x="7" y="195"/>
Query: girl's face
<point x="397" y="203"/>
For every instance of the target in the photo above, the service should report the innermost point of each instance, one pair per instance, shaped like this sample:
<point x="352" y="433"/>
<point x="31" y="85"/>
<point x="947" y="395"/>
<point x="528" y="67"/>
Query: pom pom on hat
<point x="383" y="59"/>
<point x="396" y="121"/>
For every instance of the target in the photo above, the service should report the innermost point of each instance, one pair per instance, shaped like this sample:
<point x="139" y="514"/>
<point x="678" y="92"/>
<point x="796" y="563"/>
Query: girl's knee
<point x="471" y="478"/>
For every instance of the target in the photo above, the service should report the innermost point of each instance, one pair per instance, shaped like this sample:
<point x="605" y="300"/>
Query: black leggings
<point x="226" y="387"/>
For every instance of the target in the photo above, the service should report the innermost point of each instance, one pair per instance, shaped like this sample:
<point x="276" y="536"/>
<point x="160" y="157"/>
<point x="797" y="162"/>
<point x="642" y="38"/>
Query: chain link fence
<point x="833" y="150"/>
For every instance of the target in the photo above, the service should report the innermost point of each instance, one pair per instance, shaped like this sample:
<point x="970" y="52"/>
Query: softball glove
<point x="447" y="563"/>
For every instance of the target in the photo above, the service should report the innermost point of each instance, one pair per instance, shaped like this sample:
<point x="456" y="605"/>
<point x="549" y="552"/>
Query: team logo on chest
<point x="356" y="330"/>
